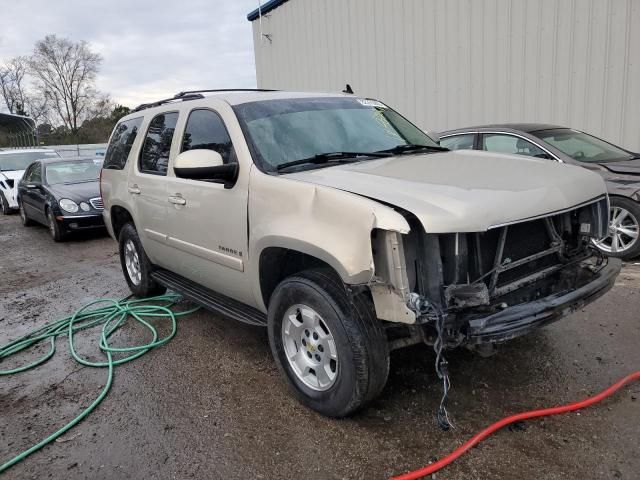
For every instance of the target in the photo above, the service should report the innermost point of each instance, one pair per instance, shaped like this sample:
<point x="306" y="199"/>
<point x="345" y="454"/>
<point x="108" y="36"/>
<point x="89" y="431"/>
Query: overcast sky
<point x="150" y="49"/>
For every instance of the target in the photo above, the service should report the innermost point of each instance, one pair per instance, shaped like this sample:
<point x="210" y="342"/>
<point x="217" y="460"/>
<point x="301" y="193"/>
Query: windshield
<point x="582" y="147"/>
<point x="73" y="171"/>
<point x="21" y="160"/>
<point x="287" y="130"/>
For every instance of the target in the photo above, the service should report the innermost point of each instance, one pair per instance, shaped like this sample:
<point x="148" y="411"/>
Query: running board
<point x="209" y="299"/>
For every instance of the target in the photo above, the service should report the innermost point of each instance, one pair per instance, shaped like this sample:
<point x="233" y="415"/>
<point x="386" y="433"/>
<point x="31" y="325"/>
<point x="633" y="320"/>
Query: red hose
<point x="480" y="436"/>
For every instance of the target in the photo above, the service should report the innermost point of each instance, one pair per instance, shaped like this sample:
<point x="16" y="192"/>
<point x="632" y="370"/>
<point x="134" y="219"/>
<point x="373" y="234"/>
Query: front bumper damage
<point x="517" y="320"/>
<point x="477" y="289"/>
<point x="489" y="287"/>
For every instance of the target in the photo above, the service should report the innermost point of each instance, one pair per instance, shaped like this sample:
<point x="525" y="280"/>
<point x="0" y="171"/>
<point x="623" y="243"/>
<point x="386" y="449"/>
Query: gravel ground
<point x="211" y="405"/>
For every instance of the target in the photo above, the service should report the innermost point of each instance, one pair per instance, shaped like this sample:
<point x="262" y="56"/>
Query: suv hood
<point x="464" y="191"/>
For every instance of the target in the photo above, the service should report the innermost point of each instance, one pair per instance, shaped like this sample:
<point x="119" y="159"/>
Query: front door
<point x="208" y="222"/>
<point x="32" y="193"/>
<point x="511" y="144"/>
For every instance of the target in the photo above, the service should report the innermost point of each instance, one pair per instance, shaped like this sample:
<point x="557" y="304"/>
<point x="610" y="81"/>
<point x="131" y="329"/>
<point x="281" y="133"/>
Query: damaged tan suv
<point x="347" y="231"/>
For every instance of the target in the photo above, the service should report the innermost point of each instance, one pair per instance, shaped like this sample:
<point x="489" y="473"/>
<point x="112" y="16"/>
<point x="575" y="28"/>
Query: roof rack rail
<point x="190" y="92"/>
<point x="167" y="100"/>
<point x="196" y="94"/>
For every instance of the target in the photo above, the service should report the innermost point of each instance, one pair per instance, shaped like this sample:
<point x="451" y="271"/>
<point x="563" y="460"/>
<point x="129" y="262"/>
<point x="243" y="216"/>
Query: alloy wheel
<point x="132" y="262"/>
<point x="52" y="224"/>
<point x="623" y="231"/>
<point x="310" y="347"/>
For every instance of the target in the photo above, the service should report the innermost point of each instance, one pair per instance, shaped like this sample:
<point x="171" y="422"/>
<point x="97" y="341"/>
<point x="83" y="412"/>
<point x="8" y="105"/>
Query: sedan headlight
<point x="68" y="205"/>
<point x="84" y="206"/>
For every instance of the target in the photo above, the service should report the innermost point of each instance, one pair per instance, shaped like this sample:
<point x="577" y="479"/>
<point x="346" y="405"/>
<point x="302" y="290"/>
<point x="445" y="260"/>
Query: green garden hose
<point x="111" y="315"/>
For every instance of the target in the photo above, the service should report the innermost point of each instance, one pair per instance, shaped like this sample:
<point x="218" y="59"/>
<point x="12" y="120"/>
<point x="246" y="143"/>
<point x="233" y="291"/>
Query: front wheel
<point x="135" y="264"/>
<point x="624" y="229"/>
<point x="4" y="205"/>
<point x="332" y="351"/>
<point x="55" y="228"/>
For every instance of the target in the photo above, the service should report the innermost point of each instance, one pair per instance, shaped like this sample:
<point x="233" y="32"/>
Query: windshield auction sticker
<point x="367" y="102"/>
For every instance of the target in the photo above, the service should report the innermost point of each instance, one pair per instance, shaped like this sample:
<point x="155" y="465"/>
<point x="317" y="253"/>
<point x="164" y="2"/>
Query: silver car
<point x="347" y="231"/>
<point x="619" y="168"/>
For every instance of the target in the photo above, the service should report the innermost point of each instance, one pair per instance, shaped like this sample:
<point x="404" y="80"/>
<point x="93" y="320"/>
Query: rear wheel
<point x="26" y="221"/>
<point x="624" y="229"/>
<point x="333" y="352"/>
<point x="55" y="228"/>
<point x="135" y="264"/>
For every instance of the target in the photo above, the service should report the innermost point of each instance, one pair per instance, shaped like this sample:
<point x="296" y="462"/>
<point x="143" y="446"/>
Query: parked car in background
<point x="619" y="168"/>
<point x="345" y="230"/>
<point x="63" y="194"/>
<point x="12" y="166"/>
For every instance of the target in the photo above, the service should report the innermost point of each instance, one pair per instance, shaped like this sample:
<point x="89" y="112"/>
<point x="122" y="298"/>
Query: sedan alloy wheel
<point x="624" y="229"/>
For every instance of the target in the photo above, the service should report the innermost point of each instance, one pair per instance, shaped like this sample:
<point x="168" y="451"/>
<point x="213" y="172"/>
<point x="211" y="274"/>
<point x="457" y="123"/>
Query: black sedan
<point x="619" y="168"/>
<point x="63" y="194"/>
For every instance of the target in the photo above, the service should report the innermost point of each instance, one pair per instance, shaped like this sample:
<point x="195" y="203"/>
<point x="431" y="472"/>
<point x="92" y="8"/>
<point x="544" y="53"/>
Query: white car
<point x="13" y="163"/>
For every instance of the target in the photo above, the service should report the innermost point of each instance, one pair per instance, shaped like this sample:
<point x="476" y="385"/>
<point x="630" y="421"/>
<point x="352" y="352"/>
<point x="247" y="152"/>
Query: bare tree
<point x="65" y="73"/>
<point x="13" y="84"/>
<point x="37" y="107"/>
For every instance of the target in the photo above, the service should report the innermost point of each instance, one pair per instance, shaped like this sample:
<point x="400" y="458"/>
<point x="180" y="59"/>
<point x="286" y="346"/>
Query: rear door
<point x="147" y="185"/>
<point x="208" y="222"/>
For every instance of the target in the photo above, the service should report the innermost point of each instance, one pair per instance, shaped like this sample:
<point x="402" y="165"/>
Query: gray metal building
<point x="455" y="63"/>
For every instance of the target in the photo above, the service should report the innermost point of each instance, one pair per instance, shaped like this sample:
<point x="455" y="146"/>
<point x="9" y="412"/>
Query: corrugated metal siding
<point x="454" y="63"/>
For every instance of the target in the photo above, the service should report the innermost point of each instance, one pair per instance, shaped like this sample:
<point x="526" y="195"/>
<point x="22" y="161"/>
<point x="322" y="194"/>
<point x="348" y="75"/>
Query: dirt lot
<point x="210" y="404"/>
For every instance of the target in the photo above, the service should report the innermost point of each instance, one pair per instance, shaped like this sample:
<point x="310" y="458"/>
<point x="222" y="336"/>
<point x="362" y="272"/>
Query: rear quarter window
<point x="119" y="147"/>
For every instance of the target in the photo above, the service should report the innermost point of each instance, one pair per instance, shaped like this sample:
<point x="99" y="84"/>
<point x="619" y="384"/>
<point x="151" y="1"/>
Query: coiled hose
<point x="115" y="313"/>
<point x="111" y="315"/>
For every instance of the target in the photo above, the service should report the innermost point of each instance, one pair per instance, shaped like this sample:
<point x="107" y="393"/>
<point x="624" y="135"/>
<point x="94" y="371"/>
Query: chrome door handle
<point x="177" y="200"/>
<point x="133" y="189"/>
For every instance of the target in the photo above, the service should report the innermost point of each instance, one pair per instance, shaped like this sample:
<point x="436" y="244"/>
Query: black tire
<point x="145" y="286"/>
<point x="26" y="221"/>
<point x="55" y="228"/>
<point x="4" y="205"/>
<point x="360" y="339"/>
<point x="634" y="209"/>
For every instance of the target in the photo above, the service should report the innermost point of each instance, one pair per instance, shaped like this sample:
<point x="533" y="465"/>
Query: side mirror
<point x="31" y="186"/>
<point x="435" y="136"/>
<point x="205" y="165"/>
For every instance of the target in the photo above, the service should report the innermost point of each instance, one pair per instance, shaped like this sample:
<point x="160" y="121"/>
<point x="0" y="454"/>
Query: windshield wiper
<point x="321" y="158"/>
<point x="411" y="147"/>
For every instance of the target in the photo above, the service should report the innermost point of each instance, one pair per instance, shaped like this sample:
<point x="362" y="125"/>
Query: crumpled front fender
<point x="324" y="222"/>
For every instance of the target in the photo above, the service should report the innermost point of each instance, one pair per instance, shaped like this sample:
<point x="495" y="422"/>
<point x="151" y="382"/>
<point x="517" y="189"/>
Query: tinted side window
<point x="34" y="175"/>
<point x="205" y="130"/>
<point x="26" y="178"/>
<point x="154" y="156"/>
<point x="510" y="144"/>
<point x="458" y="142"/>
<point x="120" y="145"/>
